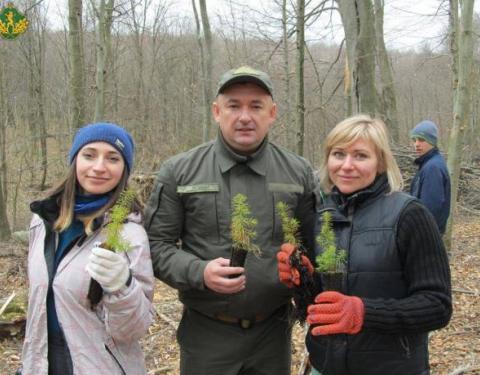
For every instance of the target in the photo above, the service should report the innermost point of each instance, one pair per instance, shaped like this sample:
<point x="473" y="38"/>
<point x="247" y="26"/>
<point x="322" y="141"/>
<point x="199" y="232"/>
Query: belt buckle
<point x="245" y="323"/>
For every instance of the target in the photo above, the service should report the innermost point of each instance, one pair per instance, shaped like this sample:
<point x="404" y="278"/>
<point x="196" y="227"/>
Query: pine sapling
<point x="242" y="231"/>
<point x="331" y="261"/>
<point x="114" y="240"/>
<point x="290" y="225"/>
<point x="303" y="294"/>
<point x="118" y="215"/>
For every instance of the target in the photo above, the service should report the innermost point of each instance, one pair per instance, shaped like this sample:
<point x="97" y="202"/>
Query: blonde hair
<point x="371" y="130"/>
<point x="65" y="192"/>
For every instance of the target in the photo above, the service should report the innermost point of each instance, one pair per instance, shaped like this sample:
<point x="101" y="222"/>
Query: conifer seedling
<point x="118" y="214"/>
<point x="290" y="225"/>
<point x="113" y="237"/>
<point x="242" y="231"/>
<point x="331" y="262"/>
<point x="303" y="294"/>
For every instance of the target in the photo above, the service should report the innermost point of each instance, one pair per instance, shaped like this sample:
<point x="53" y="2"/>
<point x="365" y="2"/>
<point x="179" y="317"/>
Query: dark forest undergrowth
<point x="454" y="350"/>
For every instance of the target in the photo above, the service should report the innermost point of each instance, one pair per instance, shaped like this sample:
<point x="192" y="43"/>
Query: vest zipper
<point x="115" y="359"/>
<point x="350" y="219"/>
<point x="405" y="345"/>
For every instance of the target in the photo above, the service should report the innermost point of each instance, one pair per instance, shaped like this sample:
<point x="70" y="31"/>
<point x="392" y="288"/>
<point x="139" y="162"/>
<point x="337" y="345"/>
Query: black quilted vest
<point x="365" y="226"/>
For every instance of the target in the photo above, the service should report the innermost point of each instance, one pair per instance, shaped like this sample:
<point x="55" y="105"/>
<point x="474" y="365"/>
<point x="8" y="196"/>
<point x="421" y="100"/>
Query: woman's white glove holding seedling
<point x="108" y="268"/>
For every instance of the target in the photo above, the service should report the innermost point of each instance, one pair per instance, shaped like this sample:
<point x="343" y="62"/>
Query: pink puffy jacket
<point x="104" y="341"/>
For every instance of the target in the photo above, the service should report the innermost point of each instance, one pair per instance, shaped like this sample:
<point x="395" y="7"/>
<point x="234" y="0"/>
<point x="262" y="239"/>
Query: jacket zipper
<point x="350" y="235"/>
<point x="115" y="358"/>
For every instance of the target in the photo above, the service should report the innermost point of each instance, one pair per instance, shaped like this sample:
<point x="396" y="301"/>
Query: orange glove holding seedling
<point x="335" y="313"/>
<point x="289" y="275"/>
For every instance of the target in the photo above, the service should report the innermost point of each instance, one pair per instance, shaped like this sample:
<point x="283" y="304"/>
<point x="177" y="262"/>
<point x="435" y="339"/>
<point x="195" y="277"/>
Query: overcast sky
<point x="407" y="23"/>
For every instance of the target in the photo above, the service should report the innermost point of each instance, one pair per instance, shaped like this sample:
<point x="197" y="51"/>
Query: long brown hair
<point x="65" y="192"/>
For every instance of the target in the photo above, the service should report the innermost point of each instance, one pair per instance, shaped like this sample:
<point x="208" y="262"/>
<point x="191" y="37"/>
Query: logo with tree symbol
<point x="12" y="22"/>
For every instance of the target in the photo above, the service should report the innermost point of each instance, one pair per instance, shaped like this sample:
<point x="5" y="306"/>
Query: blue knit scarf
<point x="86" y="204"/>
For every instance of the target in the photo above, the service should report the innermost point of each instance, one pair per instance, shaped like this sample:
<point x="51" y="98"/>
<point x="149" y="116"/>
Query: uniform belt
<point x="245" y="323"/>
<point x="242" y="322"/>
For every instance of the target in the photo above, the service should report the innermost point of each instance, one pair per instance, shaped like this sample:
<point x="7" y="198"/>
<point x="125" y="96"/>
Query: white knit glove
<point x="108" y="268"/>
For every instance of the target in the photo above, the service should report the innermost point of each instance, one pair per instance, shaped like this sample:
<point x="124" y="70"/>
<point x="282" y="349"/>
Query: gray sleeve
<point x="164" y="218"/>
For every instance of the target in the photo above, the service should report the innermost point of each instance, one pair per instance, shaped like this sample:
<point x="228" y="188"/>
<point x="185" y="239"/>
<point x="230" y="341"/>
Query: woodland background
<point x="140" y="64"/>
<point x="152" y="67"/>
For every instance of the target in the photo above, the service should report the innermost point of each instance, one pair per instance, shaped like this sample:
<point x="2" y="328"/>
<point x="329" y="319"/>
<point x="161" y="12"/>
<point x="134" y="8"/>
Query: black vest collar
<point x="378" y="187"/>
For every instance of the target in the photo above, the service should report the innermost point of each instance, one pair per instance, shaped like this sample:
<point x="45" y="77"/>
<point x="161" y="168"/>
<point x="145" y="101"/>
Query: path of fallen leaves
<point x="454" y="350"/>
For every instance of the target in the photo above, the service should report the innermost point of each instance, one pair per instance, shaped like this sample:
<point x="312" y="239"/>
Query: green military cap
<point x="245" y="74"/>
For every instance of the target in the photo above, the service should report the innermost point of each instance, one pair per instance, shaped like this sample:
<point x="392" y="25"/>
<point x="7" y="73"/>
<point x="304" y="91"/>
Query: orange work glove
<point x="287" y="274"/>
<point x="336" y="313"/>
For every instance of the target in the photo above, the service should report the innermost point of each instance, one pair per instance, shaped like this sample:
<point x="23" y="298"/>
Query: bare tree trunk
<point x="100" y="37"/>
<point x="108" y="75"/>
<point x="290" y="135"/>
<point x="35" y="51"/>
<point x="207" y="86"/>
<point x="359" y="25"/>
<point x="32" y="112"/>
<point x="139" y="30"/>
<point x="453" y="36"/>
<point x="75" y="38"/>
<point x="389" y="101"/>
<point x="365" y="59"/>
<point x="41" y="121"/>
<point x="300" y="112"/>
<point x="348" y="15"/>
<point x="76" y="87"/>
<point x="4" y="110"/>
<point x="462" y="99"/>
<point x="4" y="225"/>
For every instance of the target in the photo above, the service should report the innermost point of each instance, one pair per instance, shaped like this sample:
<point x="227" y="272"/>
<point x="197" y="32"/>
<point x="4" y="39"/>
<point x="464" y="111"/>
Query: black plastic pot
<point x="95" y="293"/>
<point x="332" y="281"/>
<point x="237" y="259"/>
<point x="95" y="290"/>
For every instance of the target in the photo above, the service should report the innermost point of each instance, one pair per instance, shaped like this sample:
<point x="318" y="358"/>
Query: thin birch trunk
<point x="76" y="79"/>
<point x="300" y="112"/>
<point x="389" y="100"/>
<point x="461" y="109"/>
<point x="207" y="85"/>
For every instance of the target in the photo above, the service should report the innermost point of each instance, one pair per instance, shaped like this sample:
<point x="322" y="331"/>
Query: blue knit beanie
<point x="426" y="130"/>
<point x="104" y="132"/>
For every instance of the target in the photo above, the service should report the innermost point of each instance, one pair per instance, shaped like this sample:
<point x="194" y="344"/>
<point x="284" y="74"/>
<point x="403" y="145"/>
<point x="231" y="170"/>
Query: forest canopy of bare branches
<point x="154" y="78"/>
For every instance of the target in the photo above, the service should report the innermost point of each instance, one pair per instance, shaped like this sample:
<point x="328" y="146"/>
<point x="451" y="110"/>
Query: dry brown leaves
<point x="454" y="350"/>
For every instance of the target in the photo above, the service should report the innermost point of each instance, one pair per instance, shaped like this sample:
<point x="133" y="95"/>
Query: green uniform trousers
<point x="212" y="347"/>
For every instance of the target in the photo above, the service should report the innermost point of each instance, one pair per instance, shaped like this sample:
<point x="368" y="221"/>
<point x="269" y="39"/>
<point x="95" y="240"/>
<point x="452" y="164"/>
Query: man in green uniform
<point x="238" y="324"/>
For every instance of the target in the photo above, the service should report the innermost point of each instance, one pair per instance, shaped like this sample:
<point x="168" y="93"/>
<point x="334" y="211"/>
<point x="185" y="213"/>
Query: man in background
<point x="431" y="183"/>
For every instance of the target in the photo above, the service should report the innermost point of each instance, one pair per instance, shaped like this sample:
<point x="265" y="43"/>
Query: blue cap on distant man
<point x="426" y="130"/>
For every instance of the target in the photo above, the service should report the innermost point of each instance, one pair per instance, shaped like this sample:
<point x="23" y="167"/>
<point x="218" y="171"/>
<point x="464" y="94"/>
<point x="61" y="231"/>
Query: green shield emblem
<point x="12" y="22"/>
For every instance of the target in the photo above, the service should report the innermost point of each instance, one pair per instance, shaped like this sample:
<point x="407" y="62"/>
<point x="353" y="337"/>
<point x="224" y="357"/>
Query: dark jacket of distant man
<point x="431" y="183"/>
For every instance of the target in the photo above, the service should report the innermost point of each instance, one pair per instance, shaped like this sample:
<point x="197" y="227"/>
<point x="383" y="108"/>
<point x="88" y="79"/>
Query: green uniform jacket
<point x="188" y="220"/>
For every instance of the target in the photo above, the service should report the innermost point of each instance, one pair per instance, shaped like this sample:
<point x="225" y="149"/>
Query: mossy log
<point x="14" y="316"/>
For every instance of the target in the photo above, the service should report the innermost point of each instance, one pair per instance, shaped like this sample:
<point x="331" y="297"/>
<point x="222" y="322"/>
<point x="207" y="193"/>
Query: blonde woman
<point x="396" y="287"/>
<point x="66" y="332"/>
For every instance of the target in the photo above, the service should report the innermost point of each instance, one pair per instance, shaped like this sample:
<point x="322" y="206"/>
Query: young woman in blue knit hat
<point x="67" y="332"/>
